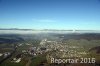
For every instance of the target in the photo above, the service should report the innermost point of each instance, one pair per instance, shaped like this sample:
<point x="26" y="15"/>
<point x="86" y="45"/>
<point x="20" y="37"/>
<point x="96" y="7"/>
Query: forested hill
<point x="7" y="38"/>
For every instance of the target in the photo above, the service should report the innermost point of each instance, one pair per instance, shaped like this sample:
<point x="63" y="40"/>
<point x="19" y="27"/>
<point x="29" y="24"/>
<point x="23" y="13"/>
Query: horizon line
<point x="47" y="29"/>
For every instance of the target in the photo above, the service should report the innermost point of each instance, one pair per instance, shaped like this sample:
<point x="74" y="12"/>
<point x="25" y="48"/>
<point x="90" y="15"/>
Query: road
<point x="29" y="62"/>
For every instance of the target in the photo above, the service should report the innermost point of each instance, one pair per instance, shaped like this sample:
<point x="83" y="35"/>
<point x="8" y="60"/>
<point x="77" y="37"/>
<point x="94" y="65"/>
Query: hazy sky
<point x="50" y="14"/>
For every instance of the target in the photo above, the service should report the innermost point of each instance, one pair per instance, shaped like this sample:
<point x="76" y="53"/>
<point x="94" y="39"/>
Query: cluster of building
<point x="57" y="48"/>
<point x="63" y="50"/>
<point x="17" y="59"/>
<point x="5" y="55"/>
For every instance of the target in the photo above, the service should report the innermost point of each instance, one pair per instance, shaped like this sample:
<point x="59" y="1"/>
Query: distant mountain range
<point x="44" y="29"/>
<point x="31" y="31"/>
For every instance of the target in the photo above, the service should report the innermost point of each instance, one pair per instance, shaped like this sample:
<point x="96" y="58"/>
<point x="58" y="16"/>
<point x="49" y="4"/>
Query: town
<point x="45" y="49"/>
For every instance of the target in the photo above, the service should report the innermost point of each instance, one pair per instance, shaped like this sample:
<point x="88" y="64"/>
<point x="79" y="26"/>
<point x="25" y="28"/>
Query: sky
<point x="50" y="14"/>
